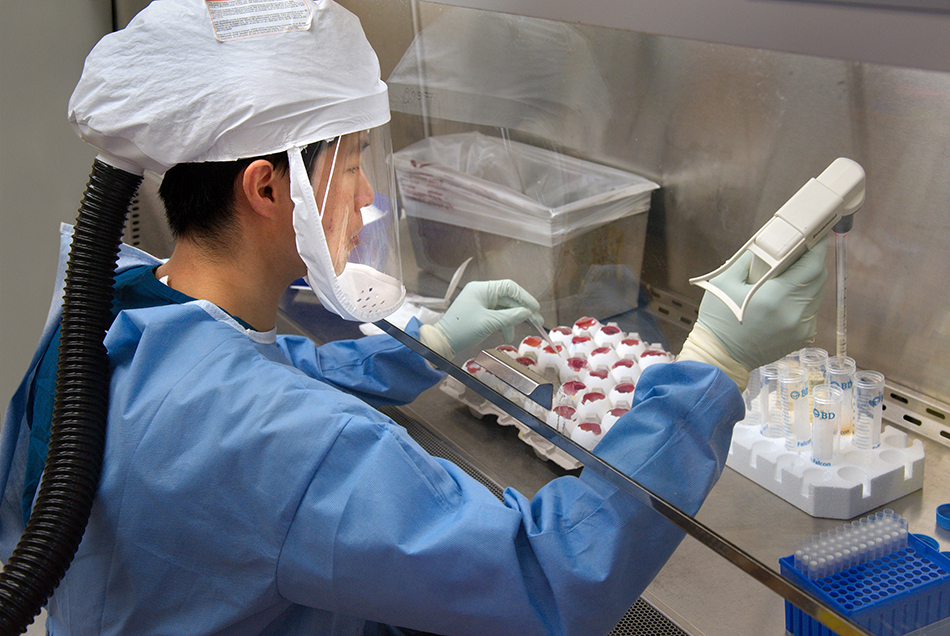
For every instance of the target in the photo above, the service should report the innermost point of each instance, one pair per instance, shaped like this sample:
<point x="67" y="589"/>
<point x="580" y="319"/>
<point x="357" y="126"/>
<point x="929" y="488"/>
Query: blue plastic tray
<point x="890" y="596"/>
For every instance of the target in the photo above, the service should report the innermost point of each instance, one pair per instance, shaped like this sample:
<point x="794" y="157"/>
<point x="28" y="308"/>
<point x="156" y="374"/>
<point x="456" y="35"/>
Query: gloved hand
<point x="781" y="317"/>
<point x="481" y="309"/>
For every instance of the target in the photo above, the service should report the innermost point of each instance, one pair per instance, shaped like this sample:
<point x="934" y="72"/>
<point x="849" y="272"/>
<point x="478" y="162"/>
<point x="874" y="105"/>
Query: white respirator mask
<point x="345" y="223"/>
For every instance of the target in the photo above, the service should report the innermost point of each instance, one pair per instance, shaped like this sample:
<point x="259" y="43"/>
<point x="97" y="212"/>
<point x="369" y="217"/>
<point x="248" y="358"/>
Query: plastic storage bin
<point x="569" y="231"/>
<point x="894" y="595"/>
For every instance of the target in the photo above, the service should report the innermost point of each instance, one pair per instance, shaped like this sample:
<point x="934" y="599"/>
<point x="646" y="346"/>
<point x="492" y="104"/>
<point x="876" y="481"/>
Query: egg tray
<point x="859" y="481"/>
<point x="890" y="596"/>
<point x="480" y="407"/>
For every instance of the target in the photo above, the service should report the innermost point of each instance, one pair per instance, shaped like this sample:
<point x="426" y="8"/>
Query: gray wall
<point x="43" y="164"/>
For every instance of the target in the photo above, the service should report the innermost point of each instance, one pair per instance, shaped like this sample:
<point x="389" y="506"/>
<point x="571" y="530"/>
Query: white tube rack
<point x="858" y="481"/>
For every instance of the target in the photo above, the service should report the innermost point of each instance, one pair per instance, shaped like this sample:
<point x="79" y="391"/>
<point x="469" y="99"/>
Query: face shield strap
<point x="310" y="155"/>
<point x="326" y="193"/>
<point x="360" y="292"/>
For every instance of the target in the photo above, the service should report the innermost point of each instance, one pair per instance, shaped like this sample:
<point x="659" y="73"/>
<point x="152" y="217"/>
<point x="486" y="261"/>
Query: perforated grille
<point x="642" y="619"/>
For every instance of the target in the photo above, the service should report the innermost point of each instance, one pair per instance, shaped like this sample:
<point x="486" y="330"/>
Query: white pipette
<point x="841" y="284"/>
<point x="534" y="322"/>
<point x="804" y="219"/>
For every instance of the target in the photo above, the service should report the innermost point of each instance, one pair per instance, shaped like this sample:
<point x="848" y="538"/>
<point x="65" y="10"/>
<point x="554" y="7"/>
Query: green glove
<point x="481" y="309"/>
<point x="781" y="317"/>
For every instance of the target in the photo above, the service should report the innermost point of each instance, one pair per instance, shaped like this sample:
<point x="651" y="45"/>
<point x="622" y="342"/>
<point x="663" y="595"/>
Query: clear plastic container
<point x="571" y="232"/>
<point x="770" y="403"/>
<point x="840" y="373"/>
<point x="512" y="189"/>
<point x="814" y="360"/>
<point x="868" y="409"/>
<point x="796" y="419"/>
<point x="751" y="397"/>
<point x="826" y="413"/>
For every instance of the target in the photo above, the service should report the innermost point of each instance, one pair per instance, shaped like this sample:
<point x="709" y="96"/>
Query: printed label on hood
<point x="233" y="19"/>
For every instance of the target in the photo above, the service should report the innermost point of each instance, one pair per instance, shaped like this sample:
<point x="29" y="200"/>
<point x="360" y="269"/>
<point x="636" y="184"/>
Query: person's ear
<point x="264" y="187"/>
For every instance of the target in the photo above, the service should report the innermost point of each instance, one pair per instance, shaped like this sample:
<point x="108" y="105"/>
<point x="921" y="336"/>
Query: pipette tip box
<point x="892" y="595"/>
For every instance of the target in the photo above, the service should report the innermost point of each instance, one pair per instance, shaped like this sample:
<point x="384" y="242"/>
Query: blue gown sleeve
<point x="387" y="532"/>
<point x="377" y="369"/>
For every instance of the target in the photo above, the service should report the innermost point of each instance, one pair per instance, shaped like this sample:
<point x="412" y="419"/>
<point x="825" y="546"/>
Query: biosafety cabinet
<point x="601" y="154"/>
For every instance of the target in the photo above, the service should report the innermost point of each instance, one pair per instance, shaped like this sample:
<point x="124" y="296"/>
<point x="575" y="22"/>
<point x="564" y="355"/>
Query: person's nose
<point x="364" y="192"/>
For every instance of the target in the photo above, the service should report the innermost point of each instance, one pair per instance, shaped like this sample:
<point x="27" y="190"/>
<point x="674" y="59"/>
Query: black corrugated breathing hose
<point x="77" y="434"/>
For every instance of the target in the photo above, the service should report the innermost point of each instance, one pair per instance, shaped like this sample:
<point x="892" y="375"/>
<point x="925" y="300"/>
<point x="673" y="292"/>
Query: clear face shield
<point x="346" y="225"/>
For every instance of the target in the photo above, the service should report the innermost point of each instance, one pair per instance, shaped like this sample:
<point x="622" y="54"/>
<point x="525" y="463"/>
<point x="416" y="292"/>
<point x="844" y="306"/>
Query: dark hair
<point x="199" y="197"/>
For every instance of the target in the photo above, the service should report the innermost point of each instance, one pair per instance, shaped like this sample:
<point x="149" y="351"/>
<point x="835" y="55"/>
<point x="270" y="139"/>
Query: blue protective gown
<point x="243" y="492"/>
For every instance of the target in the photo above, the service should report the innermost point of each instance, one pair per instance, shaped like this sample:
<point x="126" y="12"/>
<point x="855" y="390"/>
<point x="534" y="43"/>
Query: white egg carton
<point x="480" y="407"/>
<point x="595" y="368"/>
<point x="858" y="480"/>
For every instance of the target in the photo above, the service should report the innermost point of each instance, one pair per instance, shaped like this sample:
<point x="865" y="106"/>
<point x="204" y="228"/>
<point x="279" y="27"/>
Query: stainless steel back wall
<point x="730" y="133"/>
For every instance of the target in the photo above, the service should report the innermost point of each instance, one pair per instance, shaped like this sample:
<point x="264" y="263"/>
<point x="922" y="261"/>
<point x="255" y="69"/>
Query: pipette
<point x="841" y="279"/>
<point x="804" y="219"/>
<point x="535" y="322"/>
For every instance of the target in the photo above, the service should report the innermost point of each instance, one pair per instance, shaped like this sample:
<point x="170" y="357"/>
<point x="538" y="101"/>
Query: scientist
<point x="249" y="486"/>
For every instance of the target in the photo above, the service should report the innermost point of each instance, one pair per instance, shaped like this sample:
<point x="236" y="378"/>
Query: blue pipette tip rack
<point x="892" y="595"/>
